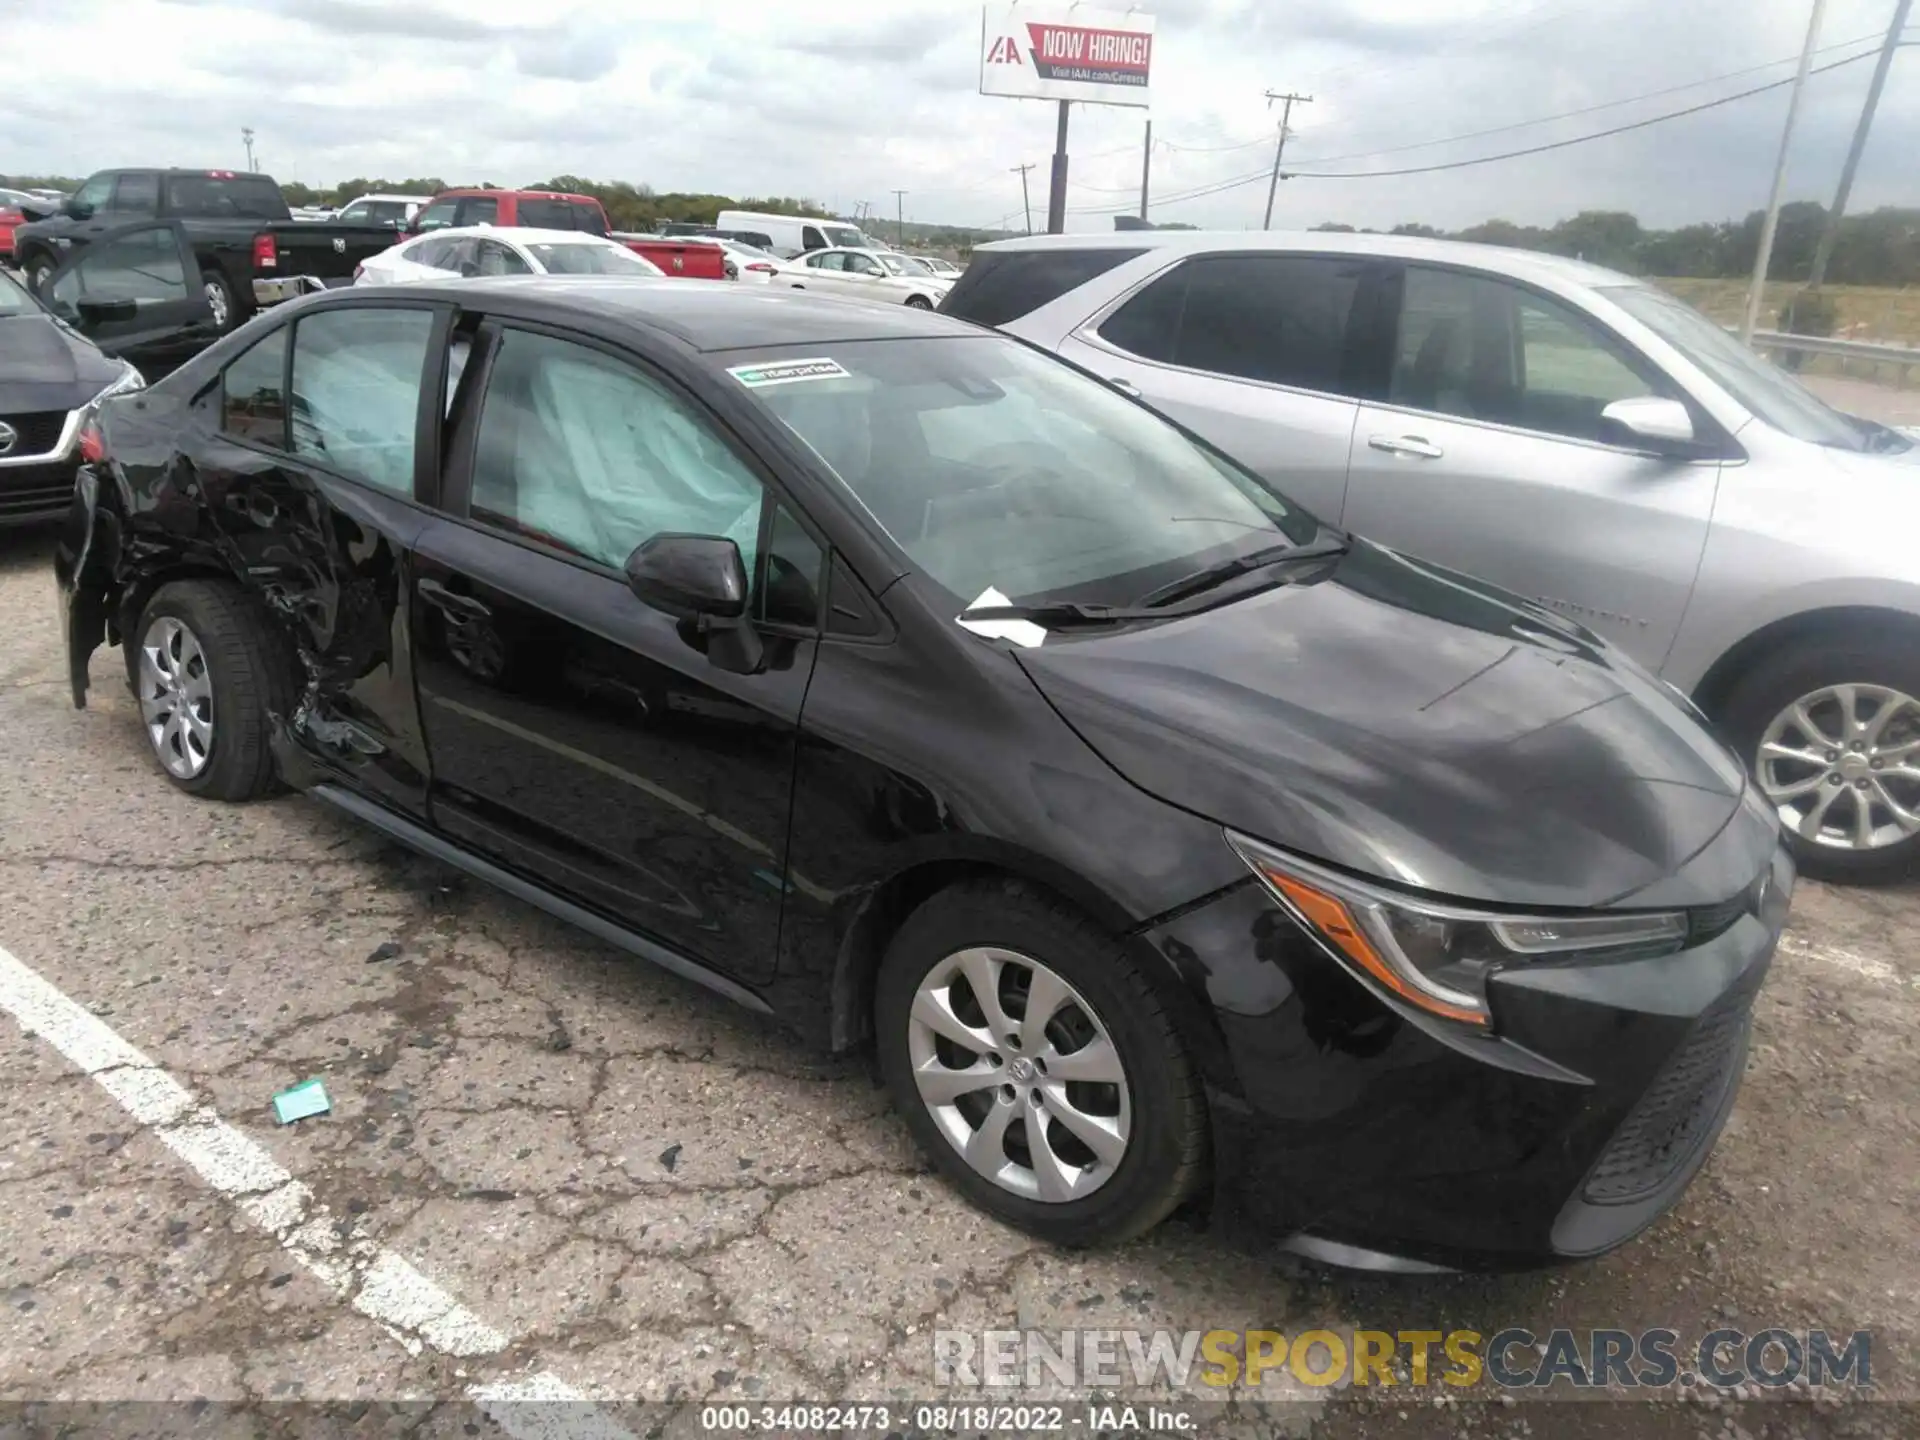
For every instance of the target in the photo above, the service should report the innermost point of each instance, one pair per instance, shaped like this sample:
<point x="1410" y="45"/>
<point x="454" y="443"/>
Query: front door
<point x="1262" y="354"/>
<point x="1487" y="456"/>
<point x="135" y="292"/>
<point x="578" y="734"/>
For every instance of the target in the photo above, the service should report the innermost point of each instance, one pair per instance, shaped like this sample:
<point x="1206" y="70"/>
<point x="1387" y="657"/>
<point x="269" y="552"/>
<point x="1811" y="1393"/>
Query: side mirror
<point x="1649" y="422"/>
<point x="75" y="208"/>
<point x="701" y="581"/>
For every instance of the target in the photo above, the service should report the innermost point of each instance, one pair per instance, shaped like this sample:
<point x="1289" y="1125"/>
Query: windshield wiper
<point x="1216" y="575"/>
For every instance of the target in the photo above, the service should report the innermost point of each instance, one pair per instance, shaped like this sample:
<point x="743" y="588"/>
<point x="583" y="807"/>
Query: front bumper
<point x="292" y="287"/>
<point x="1368" y="1138"/>
<point x="37" y="488"/>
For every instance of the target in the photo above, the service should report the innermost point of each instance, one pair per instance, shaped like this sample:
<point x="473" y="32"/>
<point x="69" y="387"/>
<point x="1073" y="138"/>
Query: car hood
<point x="46" y="366"/>
<point x="1409" y="723"/>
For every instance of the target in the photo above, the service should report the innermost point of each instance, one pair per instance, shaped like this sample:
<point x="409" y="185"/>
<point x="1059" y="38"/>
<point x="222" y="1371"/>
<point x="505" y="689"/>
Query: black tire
<point x="1801" y="669"/>
<point x="252" y="678"/>
<point x="1165" y="1158"/>
<point x="227" y="308"/>
<point x="919" y="302"/>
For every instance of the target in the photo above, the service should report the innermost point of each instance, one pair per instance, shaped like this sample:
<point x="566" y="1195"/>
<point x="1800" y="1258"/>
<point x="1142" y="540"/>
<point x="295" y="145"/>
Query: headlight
<point x="1438" y="957"/>
<point x="130" y="379"/>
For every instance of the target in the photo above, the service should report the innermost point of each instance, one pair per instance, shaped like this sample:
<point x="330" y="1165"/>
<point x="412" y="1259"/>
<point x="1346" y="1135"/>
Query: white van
<point x="794" y="234"/>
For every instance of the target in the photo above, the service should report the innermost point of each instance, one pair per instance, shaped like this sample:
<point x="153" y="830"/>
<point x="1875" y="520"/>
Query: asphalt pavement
<point x="552" y="1173"/>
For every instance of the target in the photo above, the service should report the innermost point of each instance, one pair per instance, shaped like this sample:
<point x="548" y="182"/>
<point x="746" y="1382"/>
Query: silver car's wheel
<point x="1019" y="1074"/>
<point x="176" y="697"/>
<point x="217" y="301"/>
<point x="1842" y="766"/>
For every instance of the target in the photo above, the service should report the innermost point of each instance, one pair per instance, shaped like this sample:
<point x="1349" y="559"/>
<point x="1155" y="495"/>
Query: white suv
<point x="1576" y="435"/>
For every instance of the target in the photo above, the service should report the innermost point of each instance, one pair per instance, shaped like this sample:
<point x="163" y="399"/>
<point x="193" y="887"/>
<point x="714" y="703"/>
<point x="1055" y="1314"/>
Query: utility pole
<point x="1831" y="233"/>
<point x="246" y="134"/>
<point x="1146" y="169"/>
<point x="1057" y="186"/>
<point x="1764" y="259"/>
<point x="899" y="219"/>
<point x="1025" y="201"/>
<point x="1287" y="102"/>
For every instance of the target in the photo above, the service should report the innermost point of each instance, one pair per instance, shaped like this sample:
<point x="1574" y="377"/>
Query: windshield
<point x="992" y="465"/>
<point x="1756" y="383"/>
<point x="893" y="263"/>
<point x="913" y="265"/>
<point x="560" y="258"/>
<point x="844" y="235"/>
<point x="14" y="300"/>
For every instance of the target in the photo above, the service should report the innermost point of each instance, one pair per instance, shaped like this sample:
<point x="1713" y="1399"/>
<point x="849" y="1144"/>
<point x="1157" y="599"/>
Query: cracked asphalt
<point x="653" y="1196"/>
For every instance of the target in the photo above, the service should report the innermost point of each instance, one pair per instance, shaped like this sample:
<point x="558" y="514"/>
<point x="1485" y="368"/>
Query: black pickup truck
<point x="250" y="250"/>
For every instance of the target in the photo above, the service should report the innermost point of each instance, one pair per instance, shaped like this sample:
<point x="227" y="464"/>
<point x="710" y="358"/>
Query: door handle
<point x="464" y="606"/>
<point x="1415" y="445"/>
<point x="1125" y="387"/>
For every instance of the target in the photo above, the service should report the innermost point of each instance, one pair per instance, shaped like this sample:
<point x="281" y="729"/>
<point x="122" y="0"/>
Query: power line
<point x="1257" y="175"/>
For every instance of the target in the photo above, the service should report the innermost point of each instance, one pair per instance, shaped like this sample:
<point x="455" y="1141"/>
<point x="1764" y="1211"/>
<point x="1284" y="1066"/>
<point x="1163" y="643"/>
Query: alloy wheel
<point x="1842" y="766"/>
<point x="217" y="302"/>
<point x="176" y="697"/>
<point x="1019" y="1074"/>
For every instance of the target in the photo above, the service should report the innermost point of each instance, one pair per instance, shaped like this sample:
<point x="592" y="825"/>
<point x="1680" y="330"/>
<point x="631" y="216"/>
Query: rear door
<point x="1266" y="355"/>
<point x="1486" y="455"/>
<point x="577" y="734"/>
<point x="136" y="293"/>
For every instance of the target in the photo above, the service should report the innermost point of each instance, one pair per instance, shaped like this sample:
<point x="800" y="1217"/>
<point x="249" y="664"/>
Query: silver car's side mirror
<point x="1648" y="422"/>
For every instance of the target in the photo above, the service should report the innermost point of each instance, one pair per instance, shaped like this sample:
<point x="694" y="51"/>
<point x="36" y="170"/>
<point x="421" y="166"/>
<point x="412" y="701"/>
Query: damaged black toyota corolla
<point x="889" y="676"/>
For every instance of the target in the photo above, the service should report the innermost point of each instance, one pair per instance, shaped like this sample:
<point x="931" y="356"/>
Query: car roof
<point x="707" y="317"/>
<point x="518" y="235"/>
<point x="476" y="190"/>
<point x="410" y="199"/>
<point x="1522" y="264"/>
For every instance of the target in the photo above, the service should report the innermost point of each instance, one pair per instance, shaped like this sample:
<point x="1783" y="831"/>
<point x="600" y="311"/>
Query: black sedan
<point x="122" y="308"/>
<point x="894" y="678"/>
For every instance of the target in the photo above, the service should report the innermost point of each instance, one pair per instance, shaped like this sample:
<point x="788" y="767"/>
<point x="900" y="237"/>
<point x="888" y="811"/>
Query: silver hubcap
<point x="1842" y="766"/>
<point x="176" y="697"/>
<point x="1019" y="1074"/>
<point x="217" y="299"/>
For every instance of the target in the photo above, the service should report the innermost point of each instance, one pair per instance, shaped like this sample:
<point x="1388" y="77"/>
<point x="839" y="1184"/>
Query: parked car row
<point x="892" y="677"/>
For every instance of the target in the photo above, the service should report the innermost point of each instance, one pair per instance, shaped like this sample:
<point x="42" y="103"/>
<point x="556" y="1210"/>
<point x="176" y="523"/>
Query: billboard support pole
<point x="1057" y="190"/>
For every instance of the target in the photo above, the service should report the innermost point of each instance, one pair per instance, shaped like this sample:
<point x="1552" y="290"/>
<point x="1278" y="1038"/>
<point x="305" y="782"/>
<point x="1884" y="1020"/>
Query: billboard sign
<point x="1066" y="52"/>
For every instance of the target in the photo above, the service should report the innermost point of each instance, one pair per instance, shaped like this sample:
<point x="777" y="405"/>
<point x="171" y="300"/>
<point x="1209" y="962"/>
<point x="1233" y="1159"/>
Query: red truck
<point x="677" y="255"/>
<point x="533" y="209"/>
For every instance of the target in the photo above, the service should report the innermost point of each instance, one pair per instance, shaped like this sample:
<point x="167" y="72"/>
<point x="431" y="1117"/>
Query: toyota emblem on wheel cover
<point x="339" y="245"/>
<point x="9" y="437"/>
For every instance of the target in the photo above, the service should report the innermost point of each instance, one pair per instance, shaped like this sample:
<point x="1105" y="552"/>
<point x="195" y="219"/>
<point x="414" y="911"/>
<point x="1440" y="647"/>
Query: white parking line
<point x="380" y="1284"/>
<point x="1867" y="968"/>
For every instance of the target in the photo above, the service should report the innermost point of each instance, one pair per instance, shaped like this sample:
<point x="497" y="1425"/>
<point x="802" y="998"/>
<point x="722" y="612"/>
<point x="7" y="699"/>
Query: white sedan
<point x="747" y="262"/>
<point x="869" y="274"/>
<point x="485" y="250"/>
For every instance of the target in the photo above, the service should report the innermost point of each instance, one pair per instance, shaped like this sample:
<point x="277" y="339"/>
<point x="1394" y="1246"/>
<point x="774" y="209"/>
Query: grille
<point x="38" y="432"/>
<point x="1673" y="1117"/>
<point x="35" y="492"/>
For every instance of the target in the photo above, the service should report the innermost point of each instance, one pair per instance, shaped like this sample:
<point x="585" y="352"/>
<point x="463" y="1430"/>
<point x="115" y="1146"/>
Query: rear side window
<point x="253" y="401"/>
<point x="231" y="197"/>
<point x="356" y="392"/>
<point x="1001" y="287"/>
<point x="479" y="210"/>
<point x="1282" y="319"/>
<point x="561" y="215"/>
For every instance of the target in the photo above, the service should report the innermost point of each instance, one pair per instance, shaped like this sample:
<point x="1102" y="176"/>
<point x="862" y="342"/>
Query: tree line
<point x="1880" y="247"/>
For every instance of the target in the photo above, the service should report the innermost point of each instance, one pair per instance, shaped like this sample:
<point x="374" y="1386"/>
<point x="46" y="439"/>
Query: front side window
<point x="143" y="266"/>
<point x="253" y="401"/>
<point x="435" y="252"/>
<point x="356" y="392"/>
<point x="1282" y="319"/>
<point x="812" y="239"/>
<point x="1482" y="349"/>
<point x="583" y="452"/>
<point x="95" y="193"/>
<point x="1002" y="286"/>
<point x="439" y="215"/>
<point x="990" y="465"/>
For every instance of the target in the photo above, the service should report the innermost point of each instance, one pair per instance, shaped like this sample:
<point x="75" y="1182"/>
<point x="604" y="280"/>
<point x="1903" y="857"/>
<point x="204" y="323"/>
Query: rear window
<point x="561" y="215"/>
<point x="999" y="287"/>
<point x="229" y="197"/>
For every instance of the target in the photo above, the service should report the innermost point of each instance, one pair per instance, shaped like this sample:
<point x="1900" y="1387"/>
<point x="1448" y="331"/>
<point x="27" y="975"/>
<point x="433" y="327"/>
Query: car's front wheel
<point x="208" y="672"/>
<point x="1831" y="731"/>
<point x="40" y="275"/>
<point x="1037" y="1067"/>
<point x="919" y="302"/>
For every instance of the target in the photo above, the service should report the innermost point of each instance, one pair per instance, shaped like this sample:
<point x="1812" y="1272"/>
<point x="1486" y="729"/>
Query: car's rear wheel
<point x="208" y="673"/>
<point x="919" y="302"/>
<point x="1036" y="1066"/>
<point x="219" y="300"/>
<point x="1831" y="731"/>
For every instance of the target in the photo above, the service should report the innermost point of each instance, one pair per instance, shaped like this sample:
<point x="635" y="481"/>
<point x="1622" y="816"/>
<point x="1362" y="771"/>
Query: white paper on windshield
<point x="1020" y="632"/>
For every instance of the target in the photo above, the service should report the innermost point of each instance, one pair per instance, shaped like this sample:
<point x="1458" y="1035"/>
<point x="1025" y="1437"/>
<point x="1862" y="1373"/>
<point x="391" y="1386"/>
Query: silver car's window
<point x="990" y="464"/>
<point x="1278" y="318"/>
<point x="1758" y="385"/>
<point x="1480" y="348"/>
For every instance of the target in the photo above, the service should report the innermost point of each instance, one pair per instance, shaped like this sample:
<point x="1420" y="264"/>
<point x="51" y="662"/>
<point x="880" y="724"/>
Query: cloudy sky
<point x="845" y="102"/>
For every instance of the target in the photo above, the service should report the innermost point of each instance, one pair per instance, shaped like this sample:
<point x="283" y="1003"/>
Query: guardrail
<point x="1902" y="357"/>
